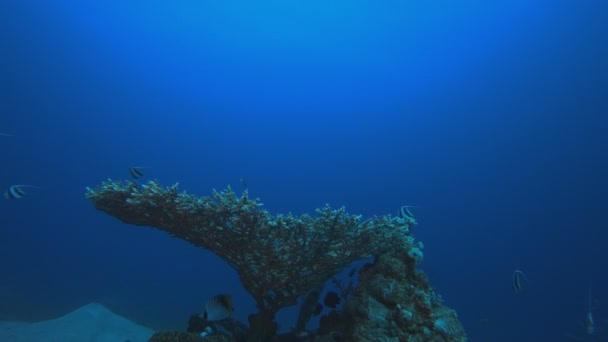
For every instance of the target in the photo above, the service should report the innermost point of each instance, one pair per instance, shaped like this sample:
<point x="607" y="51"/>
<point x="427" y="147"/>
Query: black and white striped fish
<point x="218" y="307"/>
<point x="136" y="172"/>
<point x="518" y="281"/>
<point x="17" y="191"/>
<point x="405" y="212"/>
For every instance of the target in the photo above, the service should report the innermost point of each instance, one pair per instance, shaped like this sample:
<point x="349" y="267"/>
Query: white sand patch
<point x="90" y="323"/>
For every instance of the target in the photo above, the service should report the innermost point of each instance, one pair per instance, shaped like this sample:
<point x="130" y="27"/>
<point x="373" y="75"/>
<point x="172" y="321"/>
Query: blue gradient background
<point x="489" y="115"/>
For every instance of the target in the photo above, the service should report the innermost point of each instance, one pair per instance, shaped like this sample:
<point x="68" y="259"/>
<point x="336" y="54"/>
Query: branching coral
<point x="278" y="257"/>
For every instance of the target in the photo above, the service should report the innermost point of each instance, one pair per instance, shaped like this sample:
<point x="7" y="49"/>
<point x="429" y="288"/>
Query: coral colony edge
<point x="283" y="258"/>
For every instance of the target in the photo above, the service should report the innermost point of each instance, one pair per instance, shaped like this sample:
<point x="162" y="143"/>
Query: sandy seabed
<point x="90" y="323"/>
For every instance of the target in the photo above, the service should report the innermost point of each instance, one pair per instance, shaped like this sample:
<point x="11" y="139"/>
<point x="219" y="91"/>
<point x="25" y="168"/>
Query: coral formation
<point x="176" y="336"/>
<point x="392" y="302"/>
<point x="280" y="258"/>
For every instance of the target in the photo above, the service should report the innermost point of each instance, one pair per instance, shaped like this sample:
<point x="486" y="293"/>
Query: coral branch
<point x="278" y="258"/>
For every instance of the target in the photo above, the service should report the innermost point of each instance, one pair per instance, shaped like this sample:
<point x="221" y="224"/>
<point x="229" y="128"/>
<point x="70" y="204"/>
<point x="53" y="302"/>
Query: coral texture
<point x="280" y="258"/>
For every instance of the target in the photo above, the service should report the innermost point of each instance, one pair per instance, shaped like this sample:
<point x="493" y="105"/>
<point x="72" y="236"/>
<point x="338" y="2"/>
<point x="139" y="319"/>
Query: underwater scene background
<point x="488" y="117"/>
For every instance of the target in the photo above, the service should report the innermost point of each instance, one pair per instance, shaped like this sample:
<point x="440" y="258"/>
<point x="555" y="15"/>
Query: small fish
<point x="136" y="172"/>
<point x="589" y="322"/>
<point x="17" y="191"/>
<point x="208" y="331"/>
<point x="218" y="307"/>
<point x="406" y="213"/>
<point x="331" y="299"/>
<point x="518" y="281"/>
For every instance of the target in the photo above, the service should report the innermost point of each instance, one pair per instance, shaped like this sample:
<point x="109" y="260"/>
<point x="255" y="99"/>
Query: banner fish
<point x="136" y="172"/>
<point x="518" y="281"/>
<point x="17" y="191"/>
<point x="405" y="212"/>
<point x="218" y="307"/>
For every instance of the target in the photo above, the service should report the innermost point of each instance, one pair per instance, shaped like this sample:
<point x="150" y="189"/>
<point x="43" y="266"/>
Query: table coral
<point x="278" y="257"/>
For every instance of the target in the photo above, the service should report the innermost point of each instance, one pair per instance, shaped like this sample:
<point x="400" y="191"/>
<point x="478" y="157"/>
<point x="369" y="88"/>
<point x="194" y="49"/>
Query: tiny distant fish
<point x="405" y="212"/>
<point x="589" y="324"/>
<point x="17" y="191"/>
<point x="206" y="332"/>
<point x="589" y="321"/>
<point x="331" y="299"/>
<point x="218" y="307"/>
<point x="136" y="172"/>
<point x="518" y="281"/>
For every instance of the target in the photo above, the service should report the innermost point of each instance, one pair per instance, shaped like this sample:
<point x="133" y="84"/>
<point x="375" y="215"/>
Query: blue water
<point x="491" y="116"/>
